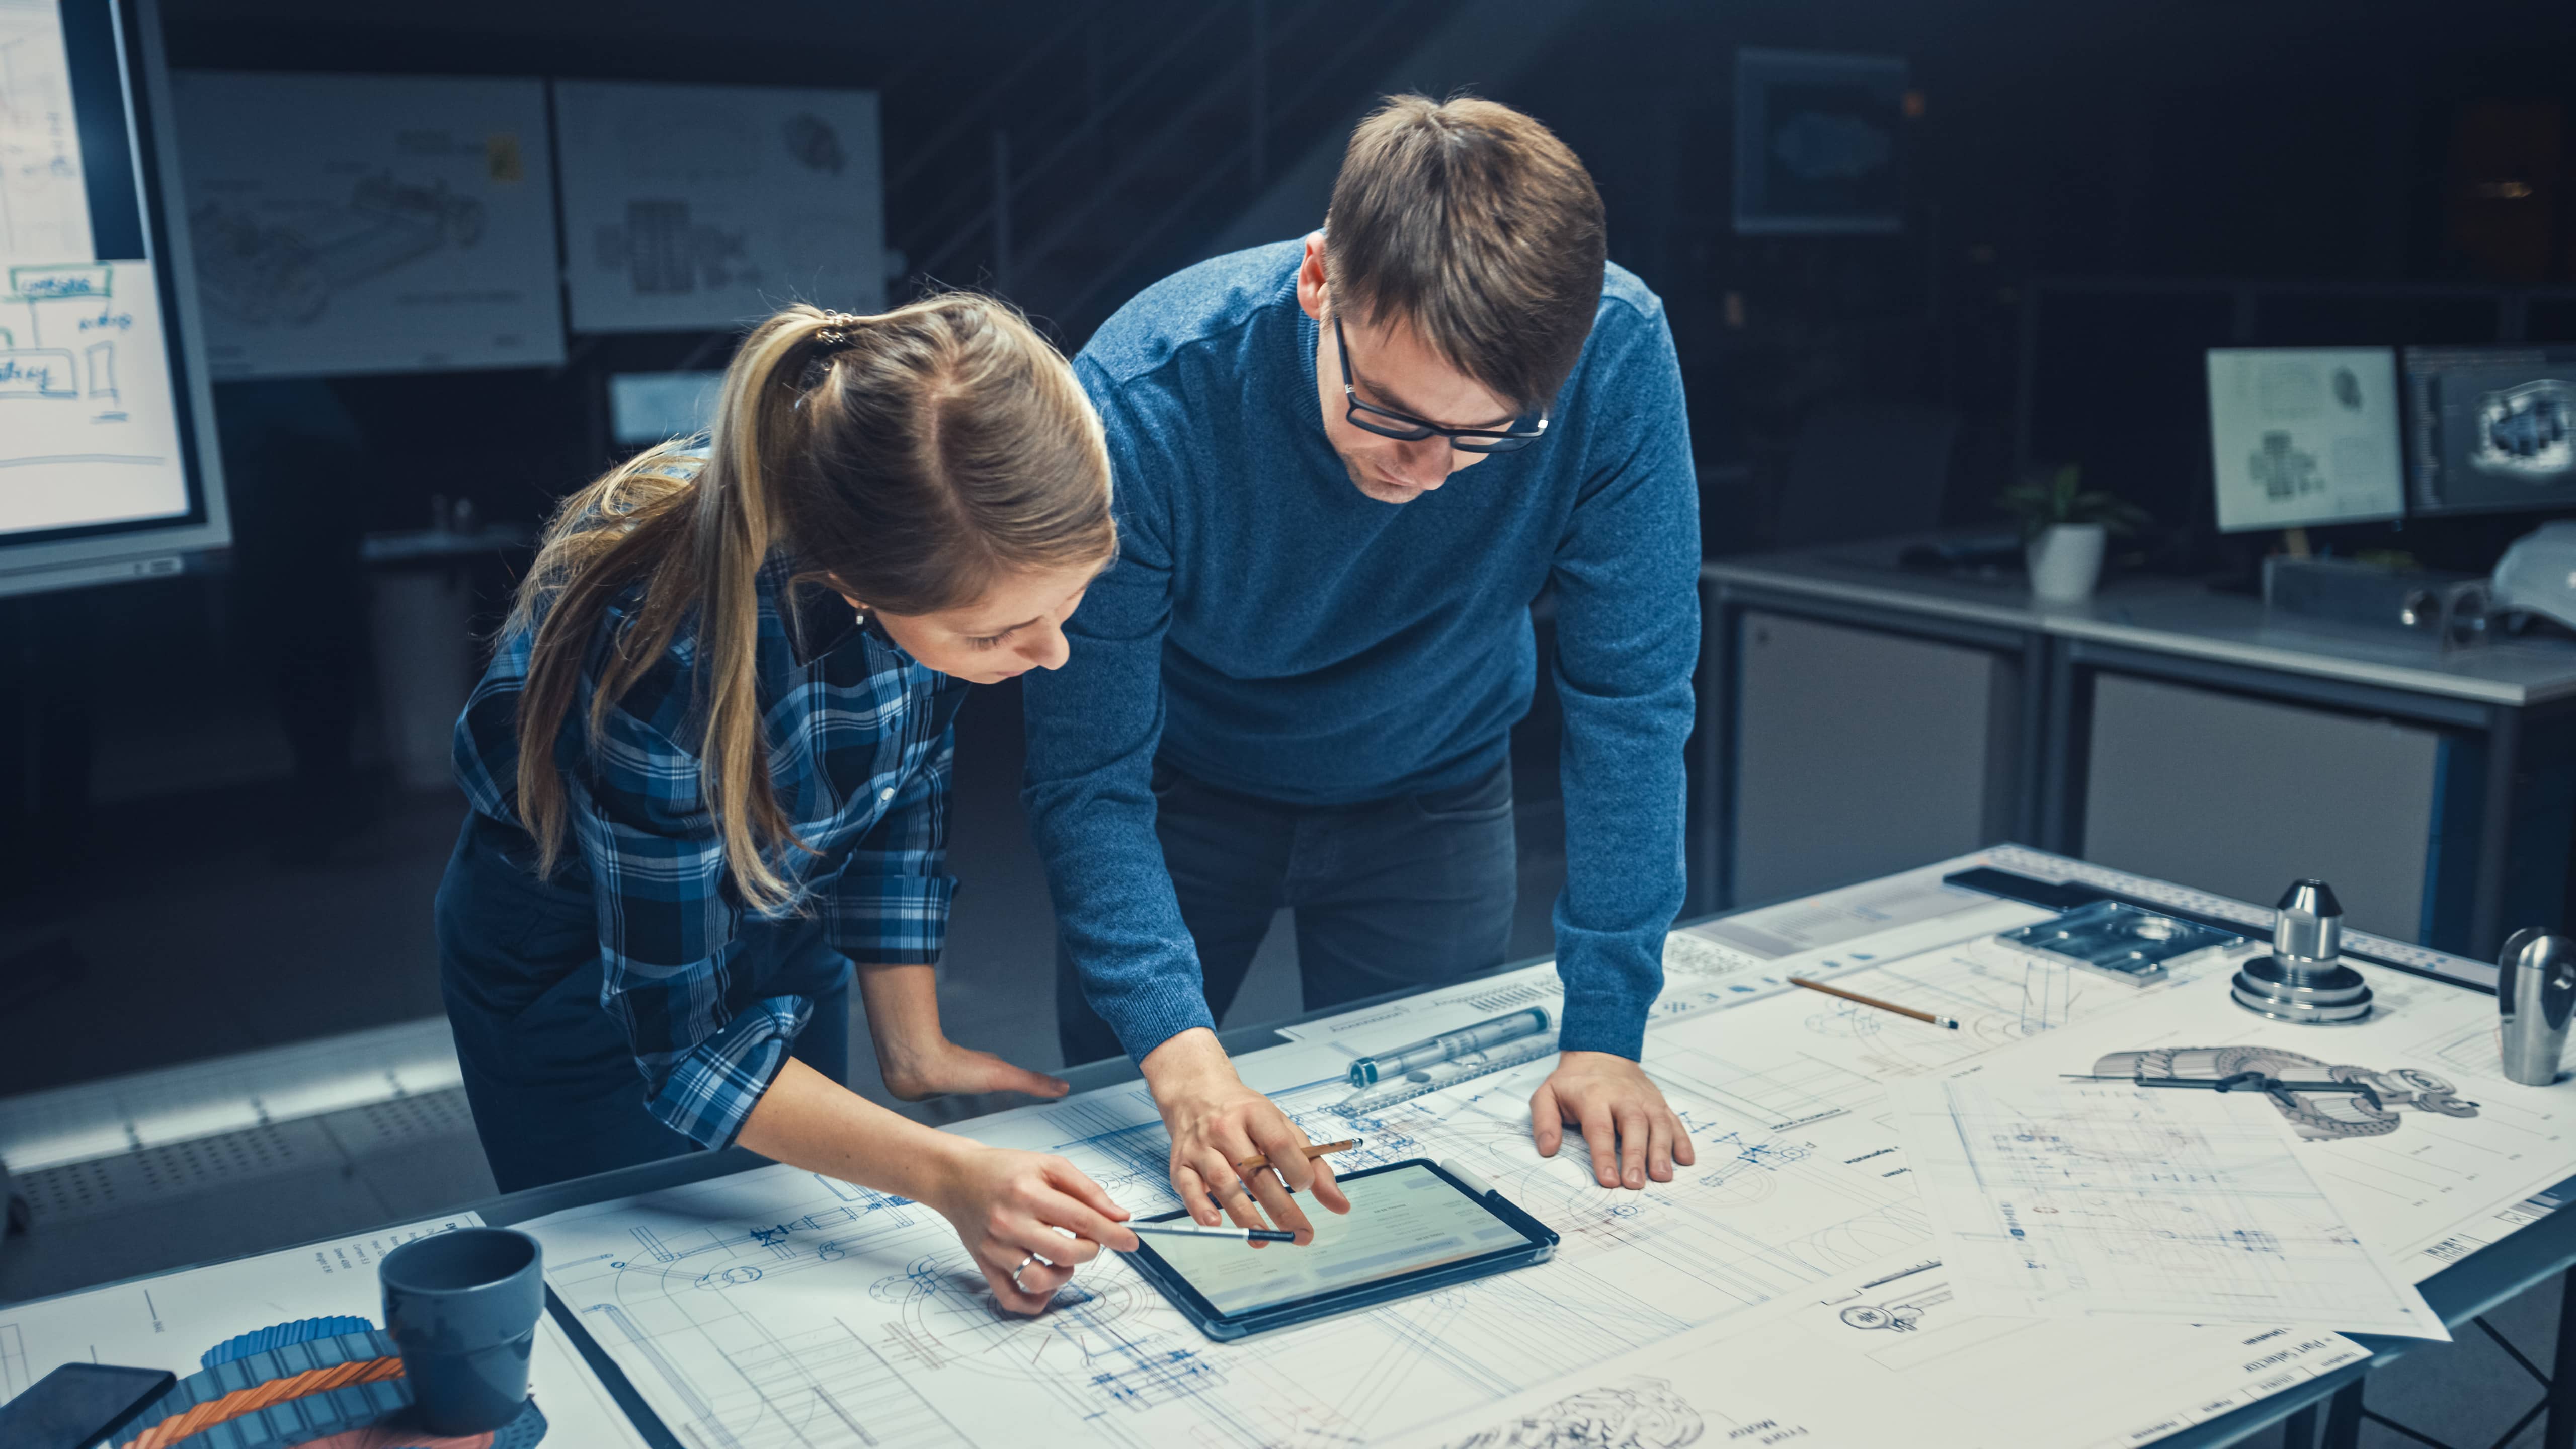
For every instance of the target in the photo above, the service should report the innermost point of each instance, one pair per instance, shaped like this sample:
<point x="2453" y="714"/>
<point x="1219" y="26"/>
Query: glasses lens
<point x="1387" y="425"/>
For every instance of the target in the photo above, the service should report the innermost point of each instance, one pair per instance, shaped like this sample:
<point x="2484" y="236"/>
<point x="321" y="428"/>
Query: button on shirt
<point x="861" y="752"/>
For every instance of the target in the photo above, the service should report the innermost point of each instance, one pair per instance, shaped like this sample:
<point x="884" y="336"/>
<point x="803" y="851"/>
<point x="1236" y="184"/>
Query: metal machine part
<point x="2121" y="941"/>
<point x="2323" y="1101"/>
<point x="2535" y="995"/>
<point x="2303" y="980"/>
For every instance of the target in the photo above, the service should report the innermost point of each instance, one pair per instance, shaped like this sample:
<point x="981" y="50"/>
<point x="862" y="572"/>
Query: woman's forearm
<point x="808" y="1120"/>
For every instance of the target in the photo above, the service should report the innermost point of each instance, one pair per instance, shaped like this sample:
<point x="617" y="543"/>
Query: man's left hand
<point x="1621" y="1113"/>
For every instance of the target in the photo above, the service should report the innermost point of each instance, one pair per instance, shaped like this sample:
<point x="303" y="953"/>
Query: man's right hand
<point x="1216" y="1122"/>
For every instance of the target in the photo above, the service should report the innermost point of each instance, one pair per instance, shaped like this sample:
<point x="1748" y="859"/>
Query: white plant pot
<point x="2065" y="562"/>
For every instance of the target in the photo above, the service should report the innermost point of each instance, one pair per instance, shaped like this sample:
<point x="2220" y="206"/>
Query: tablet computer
<point x="1413" y="1226"/>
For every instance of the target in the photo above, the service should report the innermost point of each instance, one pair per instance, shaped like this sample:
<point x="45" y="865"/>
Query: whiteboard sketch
<point x="347" y="224"/>
<point x="693" y="207"/>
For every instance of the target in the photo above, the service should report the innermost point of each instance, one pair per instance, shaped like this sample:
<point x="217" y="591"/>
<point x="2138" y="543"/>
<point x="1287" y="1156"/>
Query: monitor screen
<point x="101" y="452"/>
<point x="2302" y="435"/>
<point x="2494" y="428"/>
<point x="645" y="408"/>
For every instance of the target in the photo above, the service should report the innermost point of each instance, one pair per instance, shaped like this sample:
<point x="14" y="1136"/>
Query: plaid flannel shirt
<point x="861" y="753"/>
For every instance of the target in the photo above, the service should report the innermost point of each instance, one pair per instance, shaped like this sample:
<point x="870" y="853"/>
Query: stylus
<point x="1193" y="1230"/>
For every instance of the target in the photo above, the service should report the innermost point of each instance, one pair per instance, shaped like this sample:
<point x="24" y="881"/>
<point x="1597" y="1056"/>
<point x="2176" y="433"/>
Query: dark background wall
<point x="2335" y="152"/>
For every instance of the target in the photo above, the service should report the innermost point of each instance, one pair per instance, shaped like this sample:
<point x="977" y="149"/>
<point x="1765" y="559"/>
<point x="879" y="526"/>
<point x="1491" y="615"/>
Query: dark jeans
<point x="1405" y="892"/>
<point x="551" y="1077"/>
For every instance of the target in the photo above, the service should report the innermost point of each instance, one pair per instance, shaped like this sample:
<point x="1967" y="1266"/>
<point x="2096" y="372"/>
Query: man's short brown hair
<point x="1475" y="224"/>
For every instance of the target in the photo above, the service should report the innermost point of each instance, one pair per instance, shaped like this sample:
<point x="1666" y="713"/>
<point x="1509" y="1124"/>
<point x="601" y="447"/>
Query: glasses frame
<point x="1405" y="428"/>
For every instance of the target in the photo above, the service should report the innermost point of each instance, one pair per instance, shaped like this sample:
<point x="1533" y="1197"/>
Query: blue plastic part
<point x="302" y="1330"/>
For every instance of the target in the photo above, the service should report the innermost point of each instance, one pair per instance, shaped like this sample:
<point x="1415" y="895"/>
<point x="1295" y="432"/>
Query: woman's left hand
<point x="915" y="1055"/>
<point x="914" y="1071"/>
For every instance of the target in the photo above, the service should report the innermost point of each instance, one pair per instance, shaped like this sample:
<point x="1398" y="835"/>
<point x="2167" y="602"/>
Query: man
<point x="1344" y="469"/>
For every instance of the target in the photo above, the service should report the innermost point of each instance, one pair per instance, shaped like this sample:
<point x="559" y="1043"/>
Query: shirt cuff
<point x="710" y="1093"/>
<point x="892" y="920"/>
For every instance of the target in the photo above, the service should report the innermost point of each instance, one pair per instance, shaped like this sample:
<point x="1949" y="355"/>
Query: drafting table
<point x="2051" y="661"/>
<point x="2471" y="1283"/>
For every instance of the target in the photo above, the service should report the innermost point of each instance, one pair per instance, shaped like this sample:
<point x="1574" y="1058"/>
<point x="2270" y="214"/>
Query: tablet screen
<point x="1401" y="1221"/>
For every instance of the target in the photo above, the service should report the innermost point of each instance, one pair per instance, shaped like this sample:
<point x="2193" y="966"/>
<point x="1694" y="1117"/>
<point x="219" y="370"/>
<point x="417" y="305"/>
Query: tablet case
<point x="1540" y="1247"/>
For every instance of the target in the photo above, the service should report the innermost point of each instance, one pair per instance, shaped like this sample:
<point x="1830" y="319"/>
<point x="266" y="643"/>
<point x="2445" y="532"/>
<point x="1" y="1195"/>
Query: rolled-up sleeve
<point x="670" y="937"/>
<point x="890" y="903"/>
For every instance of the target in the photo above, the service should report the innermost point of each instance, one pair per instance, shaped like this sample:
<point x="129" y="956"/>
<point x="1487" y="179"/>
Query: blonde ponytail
<point x="911" y="456"/>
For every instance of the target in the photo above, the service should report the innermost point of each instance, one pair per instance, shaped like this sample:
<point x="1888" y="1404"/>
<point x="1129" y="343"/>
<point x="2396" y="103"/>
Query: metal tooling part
<point x="2121" y="941"/>
<point x="2302" y="980"/>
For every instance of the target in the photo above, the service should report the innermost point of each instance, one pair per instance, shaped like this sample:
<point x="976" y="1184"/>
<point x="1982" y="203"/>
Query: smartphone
<point x="80" y="1404"/>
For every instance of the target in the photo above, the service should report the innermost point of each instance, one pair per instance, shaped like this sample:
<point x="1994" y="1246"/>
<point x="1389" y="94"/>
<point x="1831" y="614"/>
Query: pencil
<point x="1260" y="1160"/>
<point x="1941" y="1021"/>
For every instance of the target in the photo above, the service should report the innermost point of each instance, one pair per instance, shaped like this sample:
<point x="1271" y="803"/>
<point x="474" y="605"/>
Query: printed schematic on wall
<point x="94" y="440"/>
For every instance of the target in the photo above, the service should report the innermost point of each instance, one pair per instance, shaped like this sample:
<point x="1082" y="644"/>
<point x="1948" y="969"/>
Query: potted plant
<point x="2063" y="528"/>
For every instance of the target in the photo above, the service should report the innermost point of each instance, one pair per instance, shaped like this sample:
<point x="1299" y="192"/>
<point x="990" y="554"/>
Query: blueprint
<point x="2103" y="1200"/>
<point x="696" y="207"/>
<point x="2429" y="1150"/>
<point x="1885" y="1355"/>
<point x="778" y="1307"/>
<point x="352" y="224"/>
<point x="169" y="1321"/>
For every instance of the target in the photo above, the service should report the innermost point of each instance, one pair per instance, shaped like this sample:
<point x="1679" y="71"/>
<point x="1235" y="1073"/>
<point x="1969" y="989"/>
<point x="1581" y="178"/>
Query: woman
<point x="709" y="772"/>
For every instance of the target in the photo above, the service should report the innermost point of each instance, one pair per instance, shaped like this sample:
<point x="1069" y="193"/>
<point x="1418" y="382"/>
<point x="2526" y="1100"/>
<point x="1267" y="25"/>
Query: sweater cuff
<point x="1611" y="982"/>
<point x="1146" y="1020"/>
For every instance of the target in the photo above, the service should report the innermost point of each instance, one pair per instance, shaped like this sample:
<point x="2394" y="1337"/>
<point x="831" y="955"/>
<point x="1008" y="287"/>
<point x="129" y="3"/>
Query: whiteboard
<point x="107" y="469"/>
<point x="350" y="224"/>
<point x="692" y="208"/>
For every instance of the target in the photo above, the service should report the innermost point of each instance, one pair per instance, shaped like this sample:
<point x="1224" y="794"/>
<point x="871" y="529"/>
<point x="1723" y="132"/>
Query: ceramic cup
<point x="463" y="1308"/>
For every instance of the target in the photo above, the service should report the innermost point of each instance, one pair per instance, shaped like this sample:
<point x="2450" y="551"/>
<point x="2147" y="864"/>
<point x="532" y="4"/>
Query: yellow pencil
<point x="1260" y="1160"/>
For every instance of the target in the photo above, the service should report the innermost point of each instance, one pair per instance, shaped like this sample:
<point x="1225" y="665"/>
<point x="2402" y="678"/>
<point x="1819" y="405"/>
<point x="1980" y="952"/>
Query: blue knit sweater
<point x="1271" y="630"/>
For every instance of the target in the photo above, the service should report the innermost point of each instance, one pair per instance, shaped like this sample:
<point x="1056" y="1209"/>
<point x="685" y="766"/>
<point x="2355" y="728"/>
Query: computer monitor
<point x="2302" y="435"/>
<point x="108" y="462"/>
<point x="2493" y="428"/>
<point x="645" y="408"/>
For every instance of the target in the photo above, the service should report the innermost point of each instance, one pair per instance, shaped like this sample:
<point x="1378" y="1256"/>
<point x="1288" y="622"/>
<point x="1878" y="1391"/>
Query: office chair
<point x="1866" y="470"/>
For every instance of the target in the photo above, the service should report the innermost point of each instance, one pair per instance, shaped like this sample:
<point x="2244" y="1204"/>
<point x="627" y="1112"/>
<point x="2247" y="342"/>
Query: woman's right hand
<point x="1006" y="1205"/>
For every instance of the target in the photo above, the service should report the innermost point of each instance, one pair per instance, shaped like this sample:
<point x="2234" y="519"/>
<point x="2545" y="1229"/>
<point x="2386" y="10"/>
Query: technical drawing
<point x="1644" y="1413"/>
<point x="2284" y="471"/>
<point x="2099" y="1199"/>
<point x="264" y="273"/>
<point x="665" y="253"/>
<point x="14" y="1378"/>
<point x="1893" y="1302"/>
<point x="2368" y="1109"/>
<point x="38" y="372"/>
<point x="102" y="369"/>
<point x="2527" y="432"/>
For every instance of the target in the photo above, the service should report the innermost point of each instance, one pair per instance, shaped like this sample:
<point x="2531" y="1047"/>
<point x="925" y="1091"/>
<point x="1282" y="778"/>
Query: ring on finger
<point x="1022" y="1268"/>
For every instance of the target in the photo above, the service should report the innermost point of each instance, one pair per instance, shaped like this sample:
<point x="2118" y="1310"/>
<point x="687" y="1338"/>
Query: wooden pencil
<point x="1941" y="1021"/>
<point x="1260" y="1160"/>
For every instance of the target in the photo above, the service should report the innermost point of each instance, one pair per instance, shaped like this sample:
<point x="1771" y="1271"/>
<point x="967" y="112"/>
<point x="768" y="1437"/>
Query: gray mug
<point x="463" y="1307"/>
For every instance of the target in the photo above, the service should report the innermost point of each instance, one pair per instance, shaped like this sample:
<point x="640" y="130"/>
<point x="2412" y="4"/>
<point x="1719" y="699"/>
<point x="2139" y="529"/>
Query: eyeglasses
<point x="1523" y="431"/>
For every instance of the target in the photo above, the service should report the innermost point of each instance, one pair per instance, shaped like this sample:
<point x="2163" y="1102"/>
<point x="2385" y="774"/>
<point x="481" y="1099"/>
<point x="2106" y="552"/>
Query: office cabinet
<point x="1860" y="752"/>
<point x="2240" y="795"/>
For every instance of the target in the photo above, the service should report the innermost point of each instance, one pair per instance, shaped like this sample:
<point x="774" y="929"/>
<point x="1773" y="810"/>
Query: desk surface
<point x="2170" y="616"/>
<point x="2483" y="1267"/>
